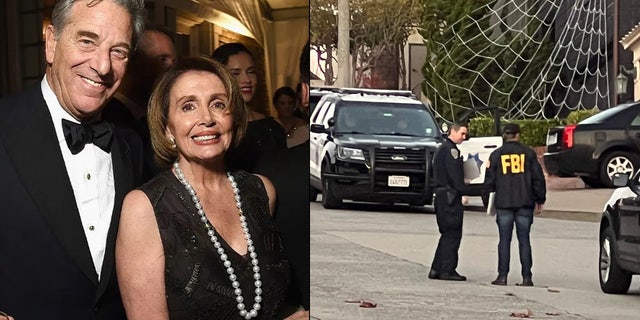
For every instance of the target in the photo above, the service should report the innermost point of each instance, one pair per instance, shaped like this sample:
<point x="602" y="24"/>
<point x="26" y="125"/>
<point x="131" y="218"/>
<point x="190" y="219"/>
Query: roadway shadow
<point x="398" y="207"/>
<point x="381" y="207"/>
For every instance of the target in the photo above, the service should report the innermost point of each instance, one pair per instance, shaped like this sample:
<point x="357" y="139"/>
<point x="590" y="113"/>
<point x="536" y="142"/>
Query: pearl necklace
<point x="225" y="261"/>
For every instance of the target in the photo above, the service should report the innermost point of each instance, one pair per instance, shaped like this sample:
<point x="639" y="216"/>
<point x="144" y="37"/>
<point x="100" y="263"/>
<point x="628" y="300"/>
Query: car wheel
<point x="617" y="161"/>
<point x="313" y="194"/>
<point x="613" y="279"/>
<point x="592" y="182"/>
<point x="329" y="200"/>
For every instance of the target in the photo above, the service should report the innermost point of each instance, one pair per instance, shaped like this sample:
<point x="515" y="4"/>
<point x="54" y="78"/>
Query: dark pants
<point x="523" y="218"/>
<point x="449" y="218"/>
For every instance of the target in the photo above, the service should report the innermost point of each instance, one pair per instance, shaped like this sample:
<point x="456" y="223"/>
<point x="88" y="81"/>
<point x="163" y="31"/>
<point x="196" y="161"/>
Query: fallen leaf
<point x="363" y="303"/>
<point x="367" y="304"/>
<point x="552" y="313"/>
<point x="522" y="314"/>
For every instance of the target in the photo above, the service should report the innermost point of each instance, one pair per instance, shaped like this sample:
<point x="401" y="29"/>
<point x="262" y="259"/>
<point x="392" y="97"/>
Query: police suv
<point x="372" y="145"/>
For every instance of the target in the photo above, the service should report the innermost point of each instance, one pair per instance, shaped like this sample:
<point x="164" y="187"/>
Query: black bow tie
<point x="79" y="134"/>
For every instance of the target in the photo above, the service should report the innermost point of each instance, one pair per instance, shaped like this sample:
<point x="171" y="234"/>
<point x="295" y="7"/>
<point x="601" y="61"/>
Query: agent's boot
<point x="434" y="274"/>
<point x="501" y="280"/>
<point x="452" y="276"/>
<point x="526" y="282"/>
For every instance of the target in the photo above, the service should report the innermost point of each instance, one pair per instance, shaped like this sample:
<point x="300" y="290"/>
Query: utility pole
<point x="344" y="60"/>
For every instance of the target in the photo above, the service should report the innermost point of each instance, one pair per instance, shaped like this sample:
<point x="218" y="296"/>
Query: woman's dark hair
<point x="283" y="91"/>
<point x="223" y="52"/>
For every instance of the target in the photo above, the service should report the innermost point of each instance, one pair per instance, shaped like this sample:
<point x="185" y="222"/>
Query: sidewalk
<point x="570" y="194"/>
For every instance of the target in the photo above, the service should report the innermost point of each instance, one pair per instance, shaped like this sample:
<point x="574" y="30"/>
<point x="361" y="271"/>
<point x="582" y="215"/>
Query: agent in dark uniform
<point x="514" y="174"/>
<point x="448" y="175"/>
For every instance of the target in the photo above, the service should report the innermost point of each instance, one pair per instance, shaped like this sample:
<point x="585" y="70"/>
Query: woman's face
<point x="199" y="116"/>
<point x="242" y="67"/>
<point x="285" y="105"/>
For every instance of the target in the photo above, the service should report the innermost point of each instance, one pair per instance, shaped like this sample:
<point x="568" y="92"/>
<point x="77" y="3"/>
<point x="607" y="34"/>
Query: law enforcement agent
<point x="449" y="180"/>
<point x="516" y="177"/>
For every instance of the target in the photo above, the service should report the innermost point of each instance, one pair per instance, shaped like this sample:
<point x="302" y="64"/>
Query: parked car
<point x="597" y="147"/>
<point x="620" y="236"/>
<point x="374" y="146"/>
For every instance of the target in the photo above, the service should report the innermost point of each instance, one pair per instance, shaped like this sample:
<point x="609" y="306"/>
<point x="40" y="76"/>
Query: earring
<point x="173" y="142"/>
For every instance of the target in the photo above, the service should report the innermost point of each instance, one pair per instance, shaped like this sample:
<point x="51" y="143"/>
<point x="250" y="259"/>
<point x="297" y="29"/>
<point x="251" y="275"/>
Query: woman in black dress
<point x="198" y="241"/>
<point x="264" y="134"/>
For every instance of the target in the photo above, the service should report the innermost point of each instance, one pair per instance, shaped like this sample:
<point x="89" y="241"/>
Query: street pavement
<point x="382" y="254"/>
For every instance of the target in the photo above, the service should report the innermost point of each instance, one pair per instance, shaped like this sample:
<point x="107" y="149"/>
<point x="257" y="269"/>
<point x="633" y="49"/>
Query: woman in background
<point x="296" y="129"/>
<point x="264" y="134"/>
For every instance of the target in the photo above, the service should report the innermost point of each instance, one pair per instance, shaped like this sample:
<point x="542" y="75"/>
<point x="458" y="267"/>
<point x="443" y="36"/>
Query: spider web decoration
<point x="500" y="55"/>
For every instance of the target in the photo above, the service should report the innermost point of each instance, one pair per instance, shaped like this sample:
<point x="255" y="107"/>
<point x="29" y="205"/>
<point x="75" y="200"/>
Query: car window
<point x="384" y="118"/>
<point x="316" y="116"/>
<point x="607" y="114"/>
<point x="328" y="114"/>
<point x="314" y="98"/>
<point x="636" y="121"/>
<point x="601" y="116"/>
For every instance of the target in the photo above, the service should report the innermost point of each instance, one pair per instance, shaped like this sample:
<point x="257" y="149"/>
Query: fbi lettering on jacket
<point x="512" y="163"/>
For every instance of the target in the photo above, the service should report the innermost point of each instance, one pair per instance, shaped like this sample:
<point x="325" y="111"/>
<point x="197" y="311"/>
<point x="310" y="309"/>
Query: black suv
<point x="620" y="236"/>
<point x="597" y="147"/>
<point x="372" y="145"/>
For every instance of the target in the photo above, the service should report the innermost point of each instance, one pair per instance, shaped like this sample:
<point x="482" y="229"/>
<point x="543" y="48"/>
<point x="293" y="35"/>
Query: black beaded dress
<point x="197" y="284"/>
<point x="263" y="137"/>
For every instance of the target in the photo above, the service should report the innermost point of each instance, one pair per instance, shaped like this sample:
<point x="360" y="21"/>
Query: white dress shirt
<point x="91" y="175"/>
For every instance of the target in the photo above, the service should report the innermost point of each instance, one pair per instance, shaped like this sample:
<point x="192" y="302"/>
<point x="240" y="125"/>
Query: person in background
<point x="198" y="240"/>
<point x="65" y="171"/>
<point x="154" y="55"/>
<point x="516" y="177"/>
<point x="297" y="129"/>
<point x="264" y="134"/>
<point x="289" y="172"/>
<point x="448" y="176"/>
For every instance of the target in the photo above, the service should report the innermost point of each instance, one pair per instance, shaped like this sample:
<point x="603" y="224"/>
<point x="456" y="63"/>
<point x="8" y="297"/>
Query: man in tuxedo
<point x="65" y="172"/>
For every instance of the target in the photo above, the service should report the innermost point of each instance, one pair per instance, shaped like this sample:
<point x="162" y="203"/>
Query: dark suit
<point x="46" y="269"/>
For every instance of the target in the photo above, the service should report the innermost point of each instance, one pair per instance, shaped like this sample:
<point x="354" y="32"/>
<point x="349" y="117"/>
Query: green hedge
<point x="532" y="132"/>
<point x="577" y="116"/>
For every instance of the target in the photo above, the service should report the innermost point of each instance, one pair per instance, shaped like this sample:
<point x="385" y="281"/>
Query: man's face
<point x="155" y="54"/>
<point x="457" y="136"/>
<point x="158" y="50"/>
<point x="88" y="59"/>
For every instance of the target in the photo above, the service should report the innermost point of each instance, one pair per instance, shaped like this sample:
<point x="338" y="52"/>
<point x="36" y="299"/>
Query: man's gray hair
<point x="62" y="10"/>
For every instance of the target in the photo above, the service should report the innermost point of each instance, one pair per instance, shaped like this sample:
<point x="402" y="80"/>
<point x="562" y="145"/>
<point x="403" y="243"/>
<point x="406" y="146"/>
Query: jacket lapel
<point x="31" y="142"/>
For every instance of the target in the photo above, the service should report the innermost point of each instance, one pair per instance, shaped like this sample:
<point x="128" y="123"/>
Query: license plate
<point x="552" y="139"/>
<point x="398" y="181"/>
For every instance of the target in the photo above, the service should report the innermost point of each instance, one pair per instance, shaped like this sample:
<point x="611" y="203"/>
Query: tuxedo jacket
<point x="46" y="269"/>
